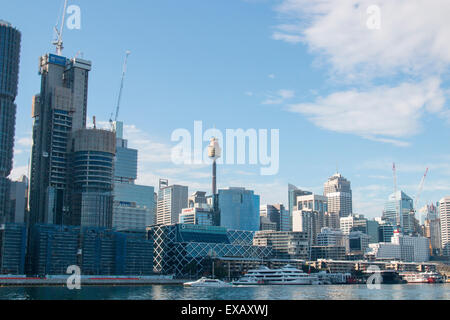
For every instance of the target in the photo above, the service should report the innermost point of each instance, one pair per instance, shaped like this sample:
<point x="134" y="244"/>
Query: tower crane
<point x="59" y="33"/>
<point x="419" y="192"/>
<point x="124" y="71"/>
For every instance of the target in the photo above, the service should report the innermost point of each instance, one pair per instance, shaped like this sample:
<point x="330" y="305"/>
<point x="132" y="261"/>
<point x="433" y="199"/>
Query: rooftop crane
<point x="419" y="192"/>
<point x="59" y="33"/>
<point x="124" y="71"/>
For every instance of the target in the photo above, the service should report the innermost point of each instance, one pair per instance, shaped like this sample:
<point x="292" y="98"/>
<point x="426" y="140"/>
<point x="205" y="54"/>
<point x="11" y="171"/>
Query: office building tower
<point x="274" y="217"/>
<point x="171" y="201"/>
<point x="239" y="209"/>
<point x="92" y="172"/>
<point x="331" y="237"/>
<point x="339" y="193"/>
<point x="197" y="198"/>
<point x="58" y="111"/>
<point x="293" y="193"/>
<point x="354" y="222"/>
<point x="444" y="213"/>
<point x="10" y="40"/>
<point x="358" y="242"/>
<point x="309" y="215"/>
<point x="134" y="205"/>
<point x="400" y="203"/>
<point x="385" y="232"/>
<point x="372" y="231"/>
<point x="19" y="201"/>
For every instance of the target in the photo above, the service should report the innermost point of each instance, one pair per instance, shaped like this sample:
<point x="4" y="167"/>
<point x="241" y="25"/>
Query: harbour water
<point x="177" y="292"/>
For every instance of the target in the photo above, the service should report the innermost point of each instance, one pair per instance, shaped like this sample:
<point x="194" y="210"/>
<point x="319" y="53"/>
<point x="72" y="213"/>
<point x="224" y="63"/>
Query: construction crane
<point x="419" y="192"/>
<point x="59" y="33"/>
<point x="124" y="71"/>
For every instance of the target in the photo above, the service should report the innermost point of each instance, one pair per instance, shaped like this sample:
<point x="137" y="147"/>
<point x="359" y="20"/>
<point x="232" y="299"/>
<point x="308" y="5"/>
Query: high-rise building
<point x="171" y="201"/>
<point x="58" y="111"/>
<point x="354" y="222"/>
<point x="293" y="193"/>
<point x="239" y="209"/>
<point x="444" y="212"/>
<point x="309" y="215"/>
<point x="10" y="39"/>
<point x="400" y="203"/>
<point x="18" y="201"/>
<point x="134" y="205"/>
<point x="274" y="217"/>
<point x="372" y="230"/>
<point x="385" y="232"/>
<point x="339" y="193"/>
<point x="91" y="174"/>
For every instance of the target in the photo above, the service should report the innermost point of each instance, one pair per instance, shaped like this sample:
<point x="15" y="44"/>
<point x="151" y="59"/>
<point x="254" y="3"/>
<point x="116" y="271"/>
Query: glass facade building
<point x="13" y="245"/>
<point x="185" y="249"/>
<point x="92" y="173"/>
<point x="10" y="40"/>
<point x="134" y="205"/>
<point x="98" y="251"/>
<point x="403" y="204"/>
<point x="239" y="209"/>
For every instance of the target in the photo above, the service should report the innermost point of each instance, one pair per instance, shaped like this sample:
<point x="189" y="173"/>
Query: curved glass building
<point x="92" y="178"/>
<point x="10" y="39"/>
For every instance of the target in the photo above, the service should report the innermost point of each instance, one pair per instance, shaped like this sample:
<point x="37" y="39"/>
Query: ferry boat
<point x="423" y="277"/>
<point x="284" y="276"/>
<point x="206" y="282"/>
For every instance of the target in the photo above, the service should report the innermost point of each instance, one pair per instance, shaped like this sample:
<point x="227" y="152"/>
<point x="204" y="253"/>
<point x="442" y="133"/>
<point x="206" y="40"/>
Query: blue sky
<point x="341" y="94"/>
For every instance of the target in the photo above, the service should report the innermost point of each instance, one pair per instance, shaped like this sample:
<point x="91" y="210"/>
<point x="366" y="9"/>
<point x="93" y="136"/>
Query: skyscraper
<point x="91" y="175"/>
<point x="59" y="110"/>
<point x="405" y="204"/>
<point x="310" y="215"/>
<point x="171" y="201"/>
<point x="339" y="193"/>
<point x="134" y="204"/>
<point x="10" y="39"/>
<point x="444" y="211"/>
<point x="239" y="209"/>
<point x="293" y="193"/>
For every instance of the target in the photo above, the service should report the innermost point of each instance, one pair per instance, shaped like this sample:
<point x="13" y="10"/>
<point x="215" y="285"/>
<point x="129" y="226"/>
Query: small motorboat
<point x="206" y="282"/>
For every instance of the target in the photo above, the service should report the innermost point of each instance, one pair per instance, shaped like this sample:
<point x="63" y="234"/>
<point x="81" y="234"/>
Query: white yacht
<point x="206" y="282"/>
<point x="284" y="276"/>
<point x="423" y="277"/>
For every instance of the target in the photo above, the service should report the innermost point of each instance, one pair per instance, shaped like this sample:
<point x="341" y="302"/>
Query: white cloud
<point x="380" y="113"/>
<point x="280" y="97"/>
<point x="413" y="37"/>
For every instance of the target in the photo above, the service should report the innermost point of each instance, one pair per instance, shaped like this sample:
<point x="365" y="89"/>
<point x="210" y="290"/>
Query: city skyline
<point x="261" y="90"/>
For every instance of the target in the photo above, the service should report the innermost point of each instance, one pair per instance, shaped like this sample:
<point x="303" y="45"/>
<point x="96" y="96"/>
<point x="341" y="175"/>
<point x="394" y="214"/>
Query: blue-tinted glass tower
<point x="239" y="209"/>
<point x="10" y="39"/>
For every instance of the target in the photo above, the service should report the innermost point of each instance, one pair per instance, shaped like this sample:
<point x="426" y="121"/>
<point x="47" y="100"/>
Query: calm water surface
<point x="348" y="292"/>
